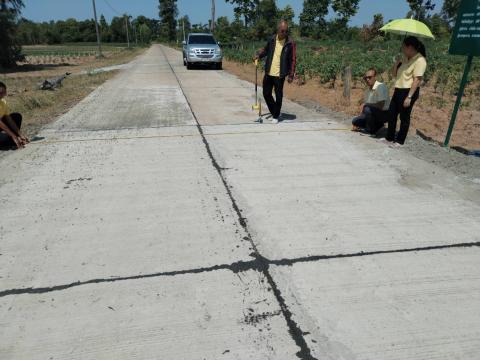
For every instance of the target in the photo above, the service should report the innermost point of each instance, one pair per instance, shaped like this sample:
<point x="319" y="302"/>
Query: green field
<point x="75" y="49"/>
<point x="325" y="61"/>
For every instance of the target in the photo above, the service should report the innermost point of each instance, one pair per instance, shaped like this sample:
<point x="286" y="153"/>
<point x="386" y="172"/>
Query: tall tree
<point x="421" y="9"/>
<point x="168" y="12"/>
<point x="28" y="32"/>
<point x="370" y="32"/>
<point x="439" y="26"/>
<point x="345" y="9"/>
<point x="450" y="10"/>
<point x="237" y="27"/>
<point x="312" y="18"/>
<point x="222" y="29"/>
<point x="117" y="29"/>
<point x="10" y="49"/>
<point x="266" y="21"/>
<point x="245" y="8"/>
<point x="105" y="29"/>
<point x="286" y="13"/>
<point x="144" y="33"/>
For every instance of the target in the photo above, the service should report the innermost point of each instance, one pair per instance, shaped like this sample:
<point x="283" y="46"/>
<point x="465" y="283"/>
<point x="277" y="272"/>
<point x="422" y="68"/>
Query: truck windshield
<point x="201" y="39"/>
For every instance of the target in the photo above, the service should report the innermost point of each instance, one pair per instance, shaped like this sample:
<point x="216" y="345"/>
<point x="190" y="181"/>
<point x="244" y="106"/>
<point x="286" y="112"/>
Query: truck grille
<point x="204" y="53"/>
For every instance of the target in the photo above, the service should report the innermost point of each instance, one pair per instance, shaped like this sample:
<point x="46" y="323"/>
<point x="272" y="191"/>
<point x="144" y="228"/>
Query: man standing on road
<point x="374" y="110"/>
<point x="281" y="57"/>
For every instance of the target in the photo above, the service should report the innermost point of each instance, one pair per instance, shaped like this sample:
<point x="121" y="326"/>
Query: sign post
<point x="465" y="41"/>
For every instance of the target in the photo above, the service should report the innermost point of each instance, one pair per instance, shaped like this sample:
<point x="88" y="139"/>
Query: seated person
<point x="10" y="123"/>
<point x="374" y="110"/>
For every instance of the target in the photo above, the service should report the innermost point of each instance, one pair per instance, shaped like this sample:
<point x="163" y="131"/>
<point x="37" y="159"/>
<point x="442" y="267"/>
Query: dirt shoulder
<point x="430" y="120"/>
<point x="431" y="114"/>
<point x="41" y="107"/>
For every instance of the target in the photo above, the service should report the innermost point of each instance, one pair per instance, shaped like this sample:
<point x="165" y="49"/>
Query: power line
<point x="99" y="42"/>
<point x="111" y="7"/>
<point x="127" y="20"/>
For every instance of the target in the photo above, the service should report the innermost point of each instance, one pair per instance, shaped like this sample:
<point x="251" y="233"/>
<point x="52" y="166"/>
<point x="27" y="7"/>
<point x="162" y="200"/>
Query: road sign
<point x="466" y="34"/>
<point x="465" y="41"/>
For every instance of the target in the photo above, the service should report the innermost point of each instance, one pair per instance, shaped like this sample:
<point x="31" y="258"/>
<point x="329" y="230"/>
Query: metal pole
<point x="135" y="34"/>
<point x="97" y="29"/>
<point x="461" y="90"/>
<point x="128" y="35"/>
<point x="212" y="26"/>
<point x="183" y="25"/>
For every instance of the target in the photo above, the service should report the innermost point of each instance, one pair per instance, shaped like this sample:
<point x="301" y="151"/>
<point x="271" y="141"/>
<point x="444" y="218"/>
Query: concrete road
<point x="156" y="220"/>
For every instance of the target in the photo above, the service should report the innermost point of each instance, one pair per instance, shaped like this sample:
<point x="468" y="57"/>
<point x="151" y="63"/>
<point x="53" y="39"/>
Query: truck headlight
<point x="218" y="51"/>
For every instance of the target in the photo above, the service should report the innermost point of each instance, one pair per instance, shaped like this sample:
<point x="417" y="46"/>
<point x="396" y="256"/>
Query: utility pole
<point x="212" y="25"/>
<point x="126" y="28"/>
<point x="97" y="30"/>
<point x="183" y="26"/>
<point x="135" y="34"/>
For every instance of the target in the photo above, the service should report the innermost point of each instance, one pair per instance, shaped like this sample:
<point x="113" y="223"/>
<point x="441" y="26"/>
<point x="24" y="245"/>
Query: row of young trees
<point x="72" y="30"/>
<point x="254" y="19"/>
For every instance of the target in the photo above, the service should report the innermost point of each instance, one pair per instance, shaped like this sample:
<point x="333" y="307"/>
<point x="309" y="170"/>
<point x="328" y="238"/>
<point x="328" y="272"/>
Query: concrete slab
<point x="89" y="209"/>
<point x="146" y="94"/>
<point x="378" y="307"/>
<point x="181" y="317"/>
<point x="306" y="189"/>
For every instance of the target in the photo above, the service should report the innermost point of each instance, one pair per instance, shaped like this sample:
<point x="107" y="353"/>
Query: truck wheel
<point x="189" y="65"/>
<point x="219" y="66"/>
<point x="184" y="62"/>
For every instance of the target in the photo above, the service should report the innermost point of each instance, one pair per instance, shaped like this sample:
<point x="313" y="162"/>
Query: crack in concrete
<point x="294" y="329"/>
<point x="236" y="267"/>
<point x="257" y="264"/>
<point x="313" y="258"/>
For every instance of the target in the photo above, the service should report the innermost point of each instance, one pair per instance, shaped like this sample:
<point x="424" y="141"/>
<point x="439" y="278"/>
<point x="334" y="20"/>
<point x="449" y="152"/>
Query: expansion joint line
<point x="257" y="264"/>
<point x="294" y="329"/>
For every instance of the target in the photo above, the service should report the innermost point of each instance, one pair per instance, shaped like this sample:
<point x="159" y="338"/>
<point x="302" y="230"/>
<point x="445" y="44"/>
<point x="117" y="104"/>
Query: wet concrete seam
<point x="140" y="137"/>
<point x="294" y="329"/>
<point x="236" y="267"/>
<point x="314" y="258"/>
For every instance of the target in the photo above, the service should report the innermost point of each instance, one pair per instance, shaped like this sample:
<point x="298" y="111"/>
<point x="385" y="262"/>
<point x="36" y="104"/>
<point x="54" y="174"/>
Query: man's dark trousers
<point x="17" y="119"/>
<point x="371" y="119"/>
<point x="270" y="83"/>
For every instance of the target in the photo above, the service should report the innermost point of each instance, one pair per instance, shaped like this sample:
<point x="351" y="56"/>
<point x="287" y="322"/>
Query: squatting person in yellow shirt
<point x="10" y="123"/>
<point x="408" y="72"/>
<point x="281" y="57"/>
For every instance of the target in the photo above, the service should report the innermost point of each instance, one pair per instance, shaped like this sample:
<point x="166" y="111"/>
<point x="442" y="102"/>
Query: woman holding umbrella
<point x="408" y="73"/>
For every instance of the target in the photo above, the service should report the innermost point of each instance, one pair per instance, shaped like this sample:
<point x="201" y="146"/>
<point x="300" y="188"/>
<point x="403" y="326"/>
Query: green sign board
<point x="466" y="34"/>
<point x="465" y="41"/>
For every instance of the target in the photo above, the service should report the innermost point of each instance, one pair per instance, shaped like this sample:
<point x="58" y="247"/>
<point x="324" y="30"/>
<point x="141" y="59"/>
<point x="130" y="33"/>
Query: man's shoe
<point x="395" y="145"/>
<point x="274" y="121"/>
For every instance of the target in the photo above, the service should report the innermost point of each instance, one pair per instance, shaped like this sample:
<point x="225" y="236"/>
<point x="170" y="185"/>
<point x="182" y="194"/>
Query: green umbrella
<point x="407" y="27"/>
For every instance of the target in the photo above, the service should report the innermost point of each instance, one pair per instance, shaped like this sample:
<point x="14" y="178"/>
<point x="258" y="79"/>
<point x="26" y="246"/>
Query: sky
<point x="197" y="10"/>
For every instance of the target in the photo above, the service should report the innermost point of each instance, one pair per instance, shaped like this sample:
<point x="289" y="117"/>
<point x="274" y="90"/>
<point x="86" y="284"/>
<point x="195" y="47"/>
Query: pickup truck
<point x="202" y="48"/>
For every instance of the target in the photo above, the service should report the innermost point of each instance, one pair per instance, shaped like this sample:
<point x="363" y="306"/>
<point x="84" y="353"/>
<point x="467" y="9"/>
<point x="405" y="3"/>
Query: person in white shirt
<point x="374" y="109"/>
